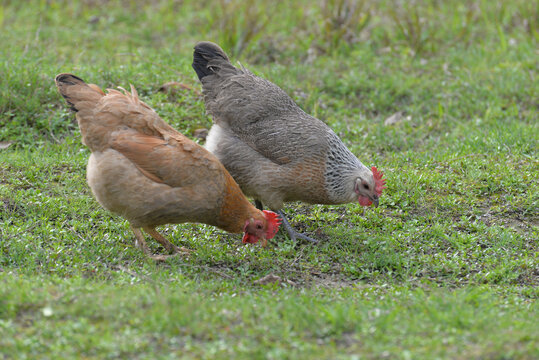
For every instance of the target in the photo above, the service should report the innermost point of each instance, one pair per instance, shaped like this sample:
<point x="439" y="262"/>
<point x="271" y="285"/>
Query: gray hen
<point x="273" y="149"/>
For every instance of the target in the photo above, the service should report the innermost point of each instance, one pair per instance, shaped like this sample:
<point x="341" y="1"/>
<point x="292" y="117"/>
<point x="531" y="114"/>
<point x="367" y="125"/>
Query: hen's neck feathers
<point x="235" y="209"/>
<point x="342" y="170"/>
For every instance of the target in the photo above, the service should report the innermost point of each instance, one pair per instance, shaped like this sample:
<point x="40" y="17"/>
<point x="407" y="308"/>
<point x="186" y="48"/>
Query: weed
<point x="238" y="23"/>
<point x="342" y="21"/>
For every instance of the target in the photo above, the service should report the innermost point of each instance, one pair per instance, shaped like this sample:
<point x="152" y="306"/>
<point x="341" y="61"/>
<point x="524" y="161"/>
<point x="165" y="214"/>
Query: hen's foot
<point x="182" y="250"/>
<point x="162" y="258"/>
<point x="174" y="250"/>
<point x="170" y="247"/>
<point x="140" y="242"/>
<point x="294" y="235"/>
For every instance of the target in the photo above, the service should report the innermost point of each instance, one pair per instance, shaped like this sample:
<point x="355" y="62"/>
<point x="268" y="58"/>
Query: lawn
<point x="442" y="96"/>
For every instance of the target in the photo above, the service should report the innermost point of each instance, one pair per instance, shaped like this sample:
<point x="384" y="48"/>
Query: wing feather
<point x="263" y="116"/>
<point x="177" y="162"/>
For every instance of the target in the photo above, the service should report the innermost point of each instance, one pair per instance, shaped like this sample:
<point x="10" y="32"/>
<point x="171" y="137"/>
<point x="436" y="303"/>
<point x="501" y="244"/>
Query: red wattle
<point x="364" y="201"/>
<point x="249" y="238"/>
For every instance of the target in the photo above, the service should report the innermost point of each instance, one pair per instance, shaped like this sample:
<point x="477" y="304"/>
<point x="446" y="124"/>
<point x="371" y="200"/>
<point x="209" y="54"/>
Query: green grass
<point x="446" y="267"/>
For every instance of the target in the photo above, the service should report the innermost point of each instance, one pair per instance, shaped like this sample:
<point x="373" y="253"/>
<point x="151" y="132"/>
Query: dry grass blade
<point x="342" y="21"/>
<point x="5" y="144"/>
<point x="239" y="23"/>
<point x="418" y="24"/>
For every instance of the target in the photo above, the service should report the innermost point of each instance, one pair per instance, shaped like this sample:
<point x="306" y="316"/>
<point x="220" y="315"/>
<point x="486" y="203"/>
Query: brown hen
<point x="147" y="172"/>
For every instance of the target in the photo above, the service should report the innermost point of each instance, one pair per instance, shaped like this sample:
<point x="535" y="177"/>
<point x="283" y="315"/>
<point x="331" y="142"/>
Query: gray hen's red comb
<point x="379" y="181"/>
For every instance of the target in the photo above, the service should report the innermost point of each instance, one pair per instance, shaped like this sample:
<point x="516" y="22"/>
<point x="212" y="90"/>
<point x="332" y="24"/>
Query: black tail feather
<point x="204" y="52"/>
<point x="68" y="79"/>
<point x="65" y="80"/>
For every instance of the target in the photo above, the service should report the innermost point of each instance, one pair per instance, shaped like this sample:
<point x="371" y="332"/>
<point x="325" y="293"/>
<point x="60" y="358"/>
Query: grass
<point x="446" y="267"/>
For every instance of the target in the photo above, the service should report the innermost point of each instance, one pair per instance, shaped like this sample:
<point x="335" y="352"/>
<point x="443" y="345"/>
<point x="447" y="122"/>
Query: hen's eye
<point x="365" y="186"/>
<point x="259" y="226"/>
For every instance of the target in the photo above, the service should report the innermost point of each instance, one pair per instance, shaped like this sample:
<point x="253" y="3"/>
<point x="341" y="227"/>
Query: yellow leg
<point x="170" y="247"/>
<point x="141" y="244"/>
<point x="139" y="241"/>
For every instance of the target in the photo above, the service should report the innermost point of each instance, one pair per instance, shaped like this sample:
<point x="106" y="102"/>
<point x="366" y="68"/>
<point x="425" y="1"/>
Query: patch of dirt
<point x="330" y="281"/>
<point x="8" y="206"/>
<point x="307" y="280"/>
<point x="530" y="278"/>
<point x="513" y="219"/>
<point x="304" y="277"/>
<point x="273" y="279"/>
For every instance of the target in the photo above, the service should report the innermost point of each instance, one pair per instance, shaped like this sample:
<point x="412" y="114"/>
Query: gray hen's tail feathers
<point x="205" y="51"/>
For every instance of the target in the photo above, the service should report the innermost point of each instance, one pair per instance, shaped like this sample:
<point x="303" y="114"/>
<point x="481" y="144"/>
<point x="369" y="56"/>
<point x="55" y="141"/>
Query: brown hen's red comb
<point x="274" y="221"/>
<point x="379" y="181"/>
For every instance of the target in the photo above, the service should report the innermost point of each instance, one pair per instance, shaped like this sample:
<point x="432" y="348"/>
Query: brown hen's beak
<point x="375" y="201"/>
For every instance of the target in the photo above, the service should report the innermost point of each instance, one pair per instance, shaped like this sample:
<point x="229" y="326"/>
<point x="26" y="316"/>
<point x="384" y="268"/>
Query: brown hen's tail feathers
<point x="206" y="51"/>
<point x="76" y="92"/>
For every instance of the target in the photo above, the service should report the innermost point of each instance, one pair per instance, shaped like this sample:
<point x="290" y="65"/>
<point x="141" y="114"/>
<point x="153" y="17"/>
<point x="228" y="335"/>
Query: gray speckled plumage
<point x="273" y="149"/>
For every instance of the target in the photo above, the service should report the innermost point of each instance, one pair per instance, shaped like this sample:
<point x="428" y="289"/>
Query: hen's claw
<point x="170" y="247"/>
<point x="182" y="250"/>
<point x="161" y="258"/>
<point x="294" y="235"/>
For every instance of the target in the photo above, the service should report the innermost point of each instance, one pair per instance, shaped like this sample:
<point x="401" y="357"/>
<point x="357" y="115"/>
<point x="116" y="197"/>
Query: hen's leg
<point x="294" y="235"/>
<point x="170" y="247"/>
<point x="140" y="242"/>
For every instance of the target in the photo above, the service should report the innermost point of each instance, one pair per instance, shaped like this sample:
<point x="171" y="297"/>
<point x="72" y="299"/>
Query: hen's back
<point x="100" y="114"/>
